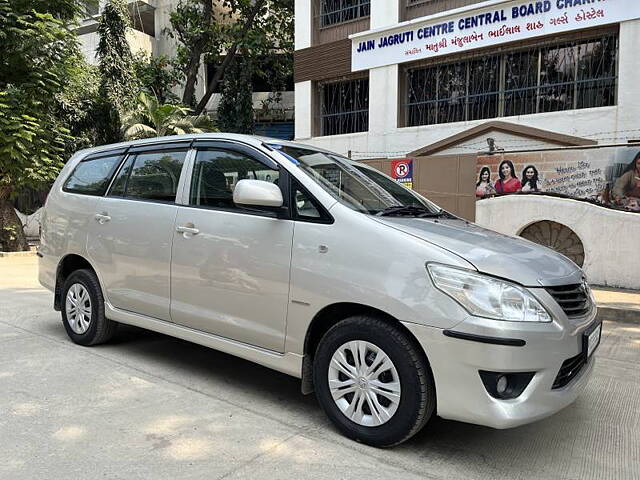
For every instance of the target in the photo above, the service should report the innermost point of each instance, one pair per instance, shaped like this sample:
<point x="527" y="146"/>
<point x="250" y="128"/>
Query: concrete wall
<point x="88" y="45"/>
<point x="610" y="237"/>
<point x="138" y="41"/>
<point x="141" y="42"/>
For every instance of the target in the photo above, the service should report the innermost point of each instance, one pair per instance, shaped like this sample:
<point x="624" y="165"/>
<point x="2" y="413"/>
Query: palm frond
<point x="139" y="130"/>
<point x="149" y="118"/>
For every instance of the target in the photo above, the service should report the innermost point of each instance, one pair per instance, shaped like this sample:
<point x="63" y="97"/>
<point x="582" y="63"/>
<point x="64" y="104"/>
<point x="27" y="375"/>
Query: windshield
<point x="358" y="186"/>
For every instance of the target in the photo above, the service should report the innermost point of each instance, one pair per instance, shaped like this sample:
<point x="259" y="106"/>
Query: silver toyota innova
<point x="390" y="308"/>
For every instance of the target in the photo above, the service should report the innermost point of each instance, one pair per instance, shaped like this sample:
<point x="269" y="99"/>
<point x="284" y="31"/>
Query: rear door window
<point x="92" y="175"/>
<point x="150" y="176"/>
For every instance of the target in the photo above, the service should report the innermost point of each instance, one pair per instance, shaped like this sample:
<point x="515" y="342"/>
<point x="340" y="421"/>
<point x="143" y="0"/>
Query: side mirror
<point x="257" y="193"/>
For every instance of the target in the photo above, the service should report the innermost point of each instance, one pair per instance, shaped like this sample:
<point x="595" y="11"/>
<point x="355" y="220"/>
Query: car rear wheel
<point x="373" y="381"/>
<point x="83" y="310"/>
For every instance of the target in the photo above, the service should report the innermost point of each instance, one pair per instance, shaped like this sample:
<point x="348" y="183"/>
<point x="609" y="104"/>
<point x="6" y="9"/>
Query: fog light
<point x="501" y="385"/>
<point x="505" y="386"/>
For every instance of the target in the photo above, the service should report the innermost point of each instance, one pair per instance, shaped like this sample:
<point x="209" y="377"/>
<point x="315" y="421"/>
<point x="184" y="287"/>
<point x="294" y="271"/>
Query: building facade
<point x="576" y="76"/>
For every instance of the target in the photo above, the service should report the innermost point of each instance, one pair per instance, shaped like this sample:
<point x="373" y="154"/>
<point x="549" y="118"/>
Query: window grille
<point x="552" y="78"/>
<point x="344" y="107"/>
<point x="421" y="8"/>
<point x="333" y="12"/>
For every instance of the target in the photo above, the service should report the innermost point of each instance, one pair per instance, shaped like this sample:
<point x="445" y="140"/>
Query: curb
<point x="620" y="315"/>
<point x="31" y="253"/>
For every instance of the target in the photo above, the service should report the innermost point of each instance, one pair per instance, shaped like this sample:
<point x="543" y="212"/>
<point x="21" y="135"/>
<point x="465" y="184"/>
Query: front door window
<point x="217" y="172"/>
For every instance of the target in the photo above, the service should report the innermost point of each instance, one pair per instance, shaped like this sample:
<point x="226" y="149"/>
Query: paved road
<point x="149" y="406"/>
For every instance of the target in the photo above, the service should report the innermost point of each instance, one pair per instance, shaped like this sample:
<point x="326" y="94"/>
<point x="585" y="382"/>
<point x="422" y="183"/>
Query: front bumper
<point x="455" y="364"/>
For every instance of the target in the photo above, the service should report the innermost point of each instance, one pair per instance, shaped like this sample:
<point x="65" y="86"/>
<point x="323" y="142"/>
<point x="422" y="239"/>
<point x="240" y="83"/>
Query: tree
<point x="36" y="66"/>
<point x="118" y="84"/>
<point x="77" y="106"/>
<point x="235" y="112"/>
<point x="157" y="77"/>
<point x="153" y="119"/>
<point x="215" y="30"/>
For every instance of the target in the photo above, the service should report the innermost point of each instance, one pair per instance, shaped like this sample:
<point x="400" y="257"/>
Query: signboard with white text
<point x="499" y="23"/>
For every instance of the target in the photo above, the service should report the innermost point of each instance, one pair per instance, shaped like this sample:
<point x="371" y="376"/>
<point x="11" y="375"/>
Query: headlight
<point x="484" y="296"/>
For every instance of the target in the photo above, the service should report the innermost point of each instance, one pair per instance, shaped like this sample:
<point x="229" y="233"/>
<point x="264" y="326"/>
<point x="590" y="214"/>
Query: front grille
<point x="570" y="368"/>
<point x="573" y="299"/>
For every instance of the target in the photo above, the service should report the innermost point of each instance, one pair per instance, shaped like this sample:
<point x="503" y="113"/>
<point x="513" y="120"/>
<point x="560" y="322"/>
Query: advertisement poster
<point x="402" y="171"/>
<point x="607" y="176"/>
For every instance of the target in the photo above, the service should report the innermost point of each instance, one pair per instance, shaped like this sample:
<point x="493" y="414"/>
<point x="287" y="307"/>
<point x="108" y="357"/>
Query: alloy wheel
<point x="78" y="308"/>
<point x="364" y="383"/>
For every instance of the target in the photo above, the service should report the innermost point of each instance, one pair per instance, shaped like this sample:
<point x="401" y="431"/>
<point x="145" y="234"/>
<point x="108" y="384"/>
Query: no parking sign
<point x="402" y="171"/>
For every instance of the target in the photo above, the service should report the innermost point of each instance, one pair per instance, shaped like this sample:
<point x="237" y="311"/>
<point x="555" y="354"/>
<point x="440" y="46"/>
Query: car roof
<point x="253" y="140"/>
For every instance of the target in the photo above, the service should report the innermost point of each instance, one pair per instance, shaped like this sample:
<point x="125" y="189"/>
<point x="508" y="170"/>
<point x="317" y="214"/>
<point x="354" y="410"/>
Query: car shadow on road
<point x="258" y="388"/>
<point x="205" y="369"/>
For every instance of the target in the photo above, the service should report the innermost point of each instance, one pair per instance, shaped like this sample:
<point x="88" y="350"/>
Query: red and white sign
<point x="498" y="22"/>
<point x="402" y="171"/>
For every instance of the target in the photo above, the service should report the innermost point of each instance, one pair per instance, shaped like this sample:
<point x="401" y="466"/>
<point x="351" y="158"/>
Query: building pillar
<point x="628" y="93"/>
<point x="383" y="81"/>
<point x="303" y="90"/>
<point x="385" y="13"/>
<point x="303" y="109"/>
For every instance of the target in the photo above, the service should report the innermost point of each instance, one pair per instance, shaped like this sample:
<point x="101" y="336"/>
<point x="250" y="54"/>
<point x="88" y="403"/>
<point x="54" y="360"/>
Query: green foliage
<point x="235" y="112"/>
<point x="157" y="76"/>
<point x="38" y="52"/>
<point x="117" y="80"/>
<point x="11" y="232"/>
<point x="150" y="118"/>
<point x="77" y="106"/>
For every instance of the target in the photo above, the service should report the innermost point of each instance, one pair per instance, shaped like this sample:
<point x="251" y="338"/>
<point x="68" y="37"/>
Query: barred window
<point x="344" y="107"/>
<point x="333" y="12"/>
<point x="552" y="78"/>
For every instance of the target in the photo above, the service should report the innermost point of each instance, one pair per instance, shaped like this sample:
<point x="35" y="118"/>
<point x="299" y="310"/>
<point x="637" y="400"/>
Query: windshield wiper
<point x="413" y="211"/>
<point x="410" y="210"/>
<point x="440" y="214"/>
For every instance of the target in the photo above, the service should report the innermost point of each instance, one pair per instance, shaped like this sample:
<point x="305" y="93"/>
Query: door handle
<point x="102" y="218"/>
<point x="187" y="230"/>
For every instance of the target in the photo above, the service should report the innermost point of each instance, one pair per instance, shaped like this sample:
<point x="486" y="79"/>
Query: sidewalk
<point x="19" y="272"/>
<point x="613" y="305"/>
<point x="618" y="305"/>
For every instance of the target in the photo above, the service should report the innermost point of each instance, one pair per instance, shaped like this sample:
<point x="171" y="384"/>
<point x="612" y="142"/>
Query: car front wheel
<point x="373" y="381"/>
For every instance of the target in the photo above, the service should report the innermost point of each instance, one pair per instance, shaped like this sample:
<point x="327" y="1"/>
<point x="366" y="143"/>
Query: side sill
<point x="289" y="363"/>
<point x="510" y="342"/>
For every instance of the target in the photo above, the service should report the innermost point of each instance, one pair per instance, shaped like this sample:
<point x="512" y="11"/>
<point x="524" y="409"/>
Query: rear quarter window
<point x="92" y="175"/>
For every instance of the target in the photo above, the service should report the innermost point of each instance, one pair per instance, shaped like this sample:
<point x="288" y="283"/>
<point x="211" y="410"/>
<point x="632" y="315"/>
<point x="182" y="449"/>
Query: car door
<point x="130" y="241"/>
<point x="230" y="265"/>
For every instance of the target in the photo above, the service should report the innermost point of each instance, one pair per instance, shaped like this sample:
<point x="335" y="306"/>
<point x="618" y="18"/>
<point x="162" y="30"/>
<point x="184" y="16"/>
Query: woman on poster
<point x="484" y="187"/>
<point x="508" y="182"/>
<point x="530" y="180"/>
<point x="626" y="191"/>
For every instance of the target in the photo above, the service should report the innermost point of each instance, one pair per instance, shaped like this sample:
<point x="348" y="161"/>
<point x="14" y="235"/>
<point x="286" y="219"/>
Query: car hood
<point x="516" y="259"/>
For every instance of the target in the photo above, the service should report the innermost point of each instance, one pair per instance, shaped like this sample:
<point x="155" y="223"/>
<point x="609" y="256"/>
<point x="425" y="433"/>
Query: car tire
<point x="83" y="310"/>
<point x="396" y="399"/>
